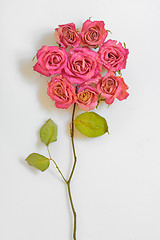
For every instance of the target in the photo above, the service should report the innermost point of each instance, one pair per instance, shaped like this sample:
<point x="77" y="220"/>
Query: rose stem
<point x="70" y="177"/>
<point x="56" y="165"/>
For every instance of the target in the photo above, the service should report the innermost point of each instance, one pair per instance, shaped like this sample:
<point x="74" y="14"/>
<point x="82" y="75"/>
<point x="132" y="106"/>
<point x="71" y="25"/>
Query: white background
<point x="116" y="185"/>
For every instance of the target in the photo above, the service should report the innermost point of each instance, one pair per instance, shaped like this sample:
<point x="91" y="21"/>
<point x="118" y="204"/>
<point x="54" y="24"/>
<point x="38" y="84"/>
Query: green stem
<point x="71" y="174"/>
<point x="72" y="140"/>
<point x="70" y="177"/>
<point x="73" y="210"/>
<point x="56" y="166"/>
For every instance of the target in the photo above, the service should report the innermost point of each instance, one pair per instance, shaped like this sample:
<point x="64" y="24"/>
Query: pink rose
<point x="111" y="86"/>
<point x="93" y="33"/>
<point x="83" y="65"/>
<point x="87" y="97"/>
<point x="61" y="91"/>
<point x="113" y="55"/>
<point x="51" y="60"/>
<point x="66" y="35"/>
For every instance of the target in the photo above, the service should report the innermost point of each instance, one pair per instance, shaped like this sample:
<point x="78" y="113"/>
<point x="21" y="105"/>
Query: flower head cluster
<point x="76" y="68"/>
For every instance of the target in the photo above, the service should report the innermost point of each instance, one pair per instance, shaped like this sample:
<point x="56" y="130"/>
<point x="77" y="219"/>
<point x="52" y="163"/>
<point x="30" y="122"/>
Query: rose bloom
<point x="83" y="65"/>
<point x="111" y="86"/>
<point x="93" y="33"/>
<point x="51" y="60"/>
<point x="67" y="35"/>
<point x="113" y="55"/>
<point x="61" y="91"/>
<point x="87" y="97"/>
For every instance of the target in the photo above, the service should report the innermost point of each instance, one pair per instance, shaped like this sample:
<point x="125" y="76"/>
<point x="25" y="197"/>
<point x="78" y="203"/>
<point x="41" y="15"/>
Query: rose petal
<point x="37" y="67"/>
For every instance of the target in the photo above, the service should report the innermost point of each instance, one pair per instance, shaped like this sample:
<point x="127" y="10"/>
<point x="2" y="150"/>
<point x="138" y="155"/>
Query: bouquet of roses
<point x="85" y="70"/>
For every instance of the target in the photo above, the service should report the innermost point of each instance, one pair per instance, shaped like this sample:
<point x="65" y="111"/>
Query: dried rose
<point x="51" y="60"/>
<point x="67" y="35"/>
<point x="111" y="86"/>
<point x="87" y="97"/>
<point x="93" y="34"/>
<point x="61" y="91"/>
<point x="83" y="65"/>
<point x="113" y="55"/>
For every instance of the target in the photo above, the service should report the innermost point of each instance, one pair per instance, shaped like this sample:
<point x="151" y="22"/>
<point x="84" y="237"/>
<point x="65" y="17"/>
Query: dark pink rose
<point x="83" y="65"/>
<point x="113" y="55"/>
<point x="93" y="34"/>
<point x="87" y="97"/>
<point x="50" y="60"/>
<point x="67" y="35"/>
<point x="111" y="86"/>
<point x="61" y="91"/>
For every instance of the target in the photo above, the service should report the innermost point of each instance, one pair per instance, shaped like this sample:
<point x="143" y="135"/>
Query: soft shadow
<point x="54" y="173"/>
<point x="39" y="143"/>
<point x="32" y="77"/>
<point x="48" y="40"/>
<point x="44" y="99"/>
<point x="26" y="68"/>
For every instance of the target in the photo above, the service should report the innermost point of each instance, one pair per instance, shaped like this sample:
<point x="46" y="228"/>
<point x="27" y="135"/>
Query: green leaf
<point x="109" y="31"/>
<point x="38" y="161"/>
<point x="48" y="132"/>
<point x="91" y="124"/>
<point x="59" y="45"/>
<point x="33" y="58"/>
<point x="119" y="72"/>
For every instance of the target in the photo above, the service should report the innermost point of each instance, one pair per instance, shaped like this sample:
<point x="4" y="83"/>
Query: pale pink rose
<point x="67" y="35"/>
<point x="87" y="97"/>
<point x="93" y="34"/>
<point x="61" y="91"/>
<point x="113" y="55"/>
<point x="83" y="65"/>
<point x="50" y="60"/>
<point x="111" y="86"/>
